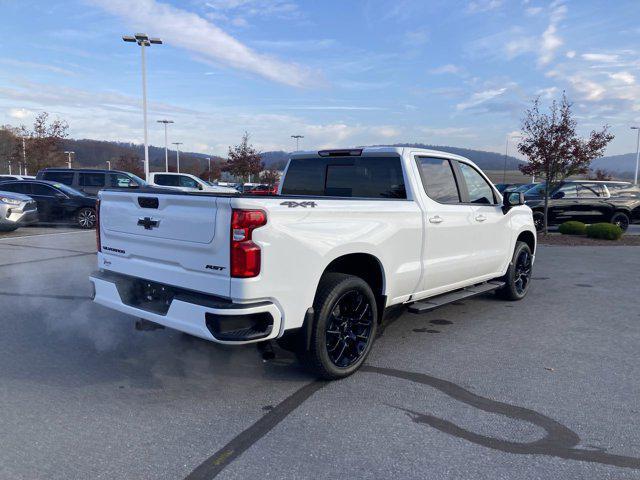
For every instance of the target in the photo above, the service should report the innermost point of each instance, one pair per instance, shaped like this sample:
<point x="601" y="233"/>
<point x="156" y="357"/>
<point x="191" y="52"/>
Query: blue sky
<point x="339" y="72"/>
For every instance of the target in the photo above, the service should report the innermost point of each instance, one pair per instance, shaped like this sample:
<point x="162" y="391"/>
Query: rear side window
<point x="61" y="177"/>
<point x="167" y="180"/>
<point x="590" y="190"/>
<point x="438" y="180"/>
<point x="479" y="189"/>
<point x="16" y="187"/>
<point x="92" y="179"/>
<point x="43" y="190"/>
<point x="360" y="177"/>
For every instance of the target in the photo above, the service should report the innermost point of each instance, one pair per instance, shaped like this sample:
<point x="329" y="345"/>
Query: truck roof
<point x="371" y="151"/>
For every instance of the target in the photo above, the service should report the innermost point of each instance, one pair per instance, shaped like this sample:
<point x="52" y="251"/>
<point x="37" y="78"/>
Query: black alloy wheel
<point x="621" y="220"/>
<point x="522" y="276"/>
<point x="349" y="327"/>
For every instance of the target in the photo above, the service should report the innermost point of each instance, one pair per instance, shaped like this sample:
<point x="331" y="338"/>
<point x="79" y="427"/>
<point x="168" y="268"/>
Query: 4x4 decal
<point x="292" y="204"/>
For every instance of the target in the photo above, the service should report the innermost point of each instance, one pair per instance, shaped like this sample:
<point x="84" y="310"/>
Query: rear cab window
<point x="167" y="180"/>
<point x="438" y="179"/>
<point x="357" y="177"/>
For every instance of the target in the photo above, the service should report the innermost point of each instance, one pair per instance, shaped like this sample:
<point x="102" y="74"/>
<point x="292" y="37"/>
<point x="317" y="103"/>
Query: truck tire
<point x="344" y="326"/>
<point x="621" y="219"/>
<point x="518" y="277"/>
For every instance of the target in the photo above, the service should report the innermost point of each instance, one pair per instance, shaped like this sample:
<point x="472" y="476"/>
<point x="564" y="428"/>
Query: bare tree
<point x="44" y="142"/>
<point x="600" y="174"/>
<point x="270" y="176"/>
<point x="244" y="160"/>
<point x="131" y="163"/>
<point x="552" y="145"/>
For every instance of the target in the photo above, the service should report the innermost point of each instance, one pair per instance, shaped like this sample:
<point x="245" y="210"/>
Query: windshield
<point x="536" y="190"/>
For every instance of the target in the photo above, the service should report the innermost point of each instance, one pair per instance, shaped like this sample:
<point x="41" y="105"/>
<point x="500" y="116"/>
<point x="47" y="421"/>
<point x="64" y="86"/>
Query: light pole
<point x="297" y="137"/>
<point x="177" y="144"/>
<point x="143" y="40"/>
<point x="166" y="150"/>
<point x="108" y="164"/>
<point x="69" y="153"/>
<point x="24" y="157"/>
<point x="635" y="178"/>
<point x="209" y="169"/>
<point x="506" y="155"/>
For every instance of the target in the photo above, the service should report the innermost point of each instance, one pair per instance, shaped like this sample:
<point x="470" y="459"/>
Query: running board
<point x="438" y="301"/>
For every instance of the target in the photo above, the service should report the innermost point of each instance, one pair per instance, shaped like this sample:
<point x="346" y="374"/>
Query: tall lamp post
<point x="177" y="144"/>
<point x="143" y="40"/>
<point x="297" y="137"/>
<point x="108" y="164"/>
<point x="506" y="155"/>
<point x="209" y="168"/>
<point x="166" y="150"/>
<point x="635" y="178"/>
<point x="69" y="153"/>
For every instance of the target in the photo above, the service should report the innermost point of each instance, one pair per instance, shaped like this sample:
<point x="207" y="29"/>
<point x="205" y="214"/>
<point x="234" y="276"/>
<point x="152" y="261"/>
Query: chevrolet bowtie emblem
<point x="148" y="223"/>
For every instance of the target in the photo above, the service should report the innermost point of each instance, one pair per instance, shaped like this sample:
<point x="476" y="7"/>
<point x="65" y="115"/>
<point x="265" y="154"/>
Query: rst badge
<point x="292" y="204"/>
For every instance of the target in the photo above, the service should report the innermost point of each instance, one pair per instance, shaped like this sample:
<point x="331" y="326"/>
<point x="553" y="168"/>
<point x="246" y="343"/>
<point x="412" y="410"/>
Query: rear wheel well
<point x="365" y="266"/>
<point x="528" y="238"/>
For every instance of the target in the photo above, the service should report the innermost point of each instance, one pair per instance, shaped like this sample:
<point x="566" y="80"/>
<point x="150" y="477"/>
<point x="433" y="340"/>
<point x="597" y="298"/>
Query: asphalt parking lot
<point x="545" y="388"/>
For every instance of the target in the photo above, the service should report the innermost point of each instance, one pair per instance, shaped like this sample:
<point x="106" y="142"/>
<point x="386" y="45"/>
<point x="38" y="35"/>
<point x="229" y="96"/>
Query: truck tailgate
<point x="181" y="240"/>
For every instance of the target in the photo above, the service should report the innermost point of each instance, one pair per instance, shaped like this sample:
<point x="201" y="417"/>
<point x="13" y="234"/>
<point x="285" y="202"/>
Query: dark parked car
<point x="56" y="202"/>
<point x="589" y="202"/>
<point x="507" y="186"/>
<point x="90" y="181"/>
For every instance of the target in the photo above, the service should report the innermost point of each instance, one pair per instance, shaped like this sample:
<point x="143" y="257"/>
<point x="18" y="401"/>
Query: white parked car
<point x="186" y="182"/>
<point x="351" y="233"/>
<point x="16" y="210"/>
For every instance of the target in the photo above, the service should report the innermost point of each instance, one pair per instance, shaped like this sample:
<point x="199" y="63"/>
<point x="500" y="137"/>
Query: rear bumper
<point x="208" y="317"/>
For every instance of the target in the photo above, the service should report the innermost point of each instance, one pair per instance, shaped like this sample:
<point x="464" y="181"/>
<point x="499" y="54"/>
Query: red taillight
<point x="98" y="241"/>
<point x="245" y="255"/>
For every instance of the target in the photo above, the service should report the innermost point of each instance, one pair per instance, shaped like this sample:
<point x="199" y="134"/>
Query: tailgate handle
<point x="148" y="202"/>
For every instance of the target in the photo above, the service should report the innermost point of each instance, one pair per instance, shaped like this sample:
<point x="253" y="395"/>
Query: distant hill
<point x="485" y="160"/>
<point x="95" y="153"/>
<point x="624" y="164"/>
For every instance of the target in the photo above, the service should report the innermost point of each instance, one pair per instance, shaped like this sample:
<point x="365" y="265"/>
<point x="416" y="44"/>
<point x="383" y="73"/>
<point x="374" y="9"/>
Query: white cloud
<point x="19" y="113"/>
<point x="194" y="33"/>
<point x="533" y="11"/>
<point x="477" y="6"/>
<point x="448" y="68"/>
<point x="416" y="38"/>
<point x="479" y="98"/>
<point x="624" y="77"/>
<point x="37" y="66"/>
<point x="551" y="40"/>
<point x="571" y="54"/>
<point x="601" y="57"/>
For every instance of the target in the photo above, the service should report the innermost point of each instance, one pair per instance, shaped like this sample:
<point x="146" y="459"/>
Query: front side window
<point x="61" y="177"/>
<point x="188" y="182"/>
<point x="42" y="190"/>
<point x="438" y="179"/>
<point x="568" y="190"/>
<point x="479" y="189"/>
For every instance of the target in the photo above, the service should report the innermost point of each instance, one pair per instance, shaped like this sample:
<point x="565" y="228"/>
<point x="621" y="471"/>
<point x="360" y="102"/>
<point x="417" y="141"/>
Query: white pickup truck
<point x="185" y="182"/>
<point x="351" y="233"/>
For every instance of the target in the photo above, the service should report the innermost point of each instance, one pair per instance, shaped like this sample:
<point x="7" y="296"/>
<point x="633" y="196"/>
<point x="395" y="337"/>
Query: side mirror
<point x="512" y="199"/>
<point x="200" y="187"/>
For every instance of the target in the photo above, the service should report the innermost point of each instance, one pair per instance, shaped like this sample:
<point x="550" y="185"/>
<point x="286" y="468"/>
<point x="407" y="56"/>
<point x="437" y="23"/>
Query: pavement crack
<point x="213" y="465"/>
<point x="559" y="441"/>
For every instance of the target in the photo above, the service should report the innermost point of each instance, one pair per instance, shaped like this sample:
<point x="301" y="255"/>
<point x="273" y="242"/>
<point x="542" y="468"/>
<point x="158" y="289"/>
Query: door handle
<point x="480" y="218"/>
<point x="436" y="219"/>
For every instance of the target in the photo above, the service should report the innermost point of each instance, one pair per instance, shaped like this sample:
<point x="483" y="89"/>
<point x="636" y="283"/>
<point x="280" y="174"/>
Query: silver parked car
<point x="16" y="210"/>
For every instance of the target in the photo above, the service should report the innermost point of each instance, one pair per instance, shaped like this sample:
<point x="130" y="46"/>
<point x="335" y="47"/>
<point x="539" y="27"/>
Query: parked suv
<point x="90" y="181"/>
<point x="588" y="201"/>
<point x="57" y="202"/>
<point x="16" y="210"/>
